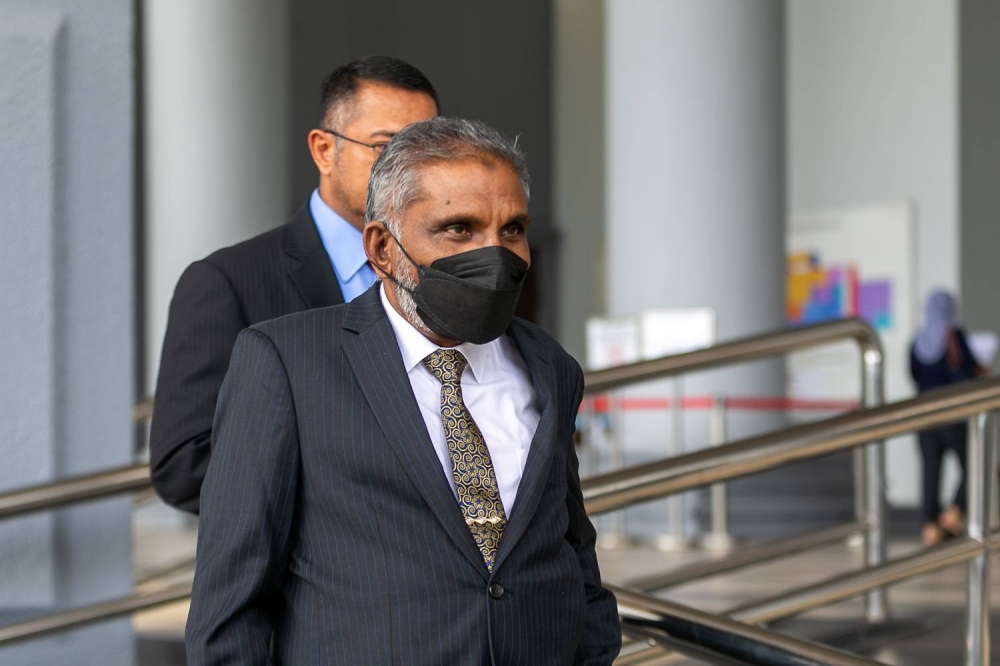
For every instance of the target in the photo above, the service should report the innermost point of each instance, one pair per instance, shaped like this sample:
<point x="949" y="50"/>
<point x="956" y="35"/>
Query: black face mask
<point x="468" y="296"/>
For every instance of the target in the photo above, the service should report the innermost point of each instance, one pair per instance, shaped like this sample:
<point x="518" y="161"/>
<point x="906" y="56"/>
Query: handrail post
<point x="872" y="509"/>
<point x="980" y="481"/>
<point x="994" y="506"/>
<point x="617" y="535"/>
<point x="718" y="538"/>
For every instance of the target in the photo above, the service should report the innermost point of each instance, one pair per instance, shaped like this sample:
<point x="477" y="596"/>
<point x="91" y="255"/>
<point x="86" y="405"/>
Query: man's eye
<point x="513" y="230"/>
<point x="458" y="228"/>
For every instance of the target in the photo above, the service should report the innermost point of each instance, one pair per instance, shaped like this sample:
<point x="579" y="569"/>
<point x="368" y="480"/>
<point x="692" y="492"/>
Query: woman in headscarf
<point x="940" y="357"/>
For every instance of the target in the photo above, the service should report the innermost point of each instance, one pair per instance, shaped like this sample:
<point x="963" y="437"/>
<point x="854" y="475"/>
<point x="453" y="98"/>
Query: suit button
<point x="496" y="590"/>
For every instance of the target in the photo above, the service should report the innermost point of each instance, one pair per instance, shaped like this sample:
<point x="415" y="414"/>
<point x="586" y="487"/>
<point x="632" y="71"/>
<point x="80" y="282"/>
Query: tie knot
<point x="447" y="365"/>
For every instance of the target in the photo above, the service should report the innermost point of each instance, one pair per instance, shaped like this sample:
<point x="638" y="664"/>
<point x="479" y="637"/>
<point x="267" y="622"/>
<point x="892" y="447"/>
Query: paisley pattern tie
<point x="471" y="465"/>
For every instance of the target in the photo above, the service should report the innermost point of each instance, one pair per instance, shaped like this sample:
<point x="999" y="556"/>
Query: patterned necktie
<point x="478" y="493"/>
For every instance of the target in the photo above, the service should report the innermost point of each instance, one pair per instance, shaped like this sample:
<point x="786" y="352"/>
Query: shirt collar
<point x="341" y="240"/>
<point x="415" y="347"/>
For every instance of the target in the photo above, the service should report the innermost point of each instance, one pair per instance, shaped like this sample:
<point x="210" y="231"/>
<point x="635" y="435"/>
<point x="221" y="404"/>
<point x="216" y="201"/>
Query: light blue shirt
<point x="342" y="243"/>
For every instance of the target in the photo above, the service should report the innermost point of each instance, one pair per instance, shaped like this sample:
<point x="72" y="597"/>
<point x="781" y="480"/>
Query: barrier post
<point x="673" y="539"/>
<point x="718" y="538"/>
<point x="994" y="507"/>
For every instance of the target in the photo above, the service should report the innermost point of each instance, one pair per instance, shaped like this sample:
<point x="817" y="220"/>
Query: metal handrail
<point x="974" y="401"/>
<point x="746" y="557"/>
<point x="641" y="483"/>
<point x="142" y="410"/>
<point x="869" y="463"/>
<point x="693" y="625"/>
<point x="85" y="488"/>
<point x="847" y="585"/>
<point x="739" y="351"/>
<point x="98" y="612"/>
<point x="133" y="478"/>
<point x="734" y="460"/>
<point x="626" y="487"/>
<point x="183" y="565"/>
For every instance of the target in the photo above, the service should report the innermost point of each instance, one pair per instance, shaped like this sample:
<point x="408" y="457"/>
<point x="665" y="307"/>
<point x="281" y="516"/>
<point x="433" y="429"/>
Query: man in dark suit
<point x="315" y="260"/>
<point x="394" y="480"/>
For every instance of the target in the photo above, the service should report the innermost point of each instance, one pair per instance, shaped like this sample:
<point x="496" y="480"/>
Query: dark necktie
<point x="471" y="465"/>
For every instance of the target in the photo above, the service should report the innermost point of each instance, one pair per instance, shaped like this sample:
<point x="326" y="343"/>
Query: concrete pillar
<point x="67" y="297"/>
<point x="979" y="163"/>
<point x="578" y="164"/>
<point x="216" y="147"/>
<point x="695" y="159"/>
<point x="695" y="182"/>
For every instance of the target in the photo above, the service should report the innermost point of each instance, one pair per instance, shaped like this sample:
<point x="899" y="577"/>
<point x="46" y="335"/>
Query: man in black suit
<point x="315" y="260"/>
<point x="394" y="480"/>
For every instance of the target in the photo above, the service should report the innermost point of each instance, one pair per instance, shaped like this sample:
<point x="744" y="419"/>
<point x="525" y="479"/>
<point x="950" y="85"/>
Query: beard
<point x="407" y="283"/>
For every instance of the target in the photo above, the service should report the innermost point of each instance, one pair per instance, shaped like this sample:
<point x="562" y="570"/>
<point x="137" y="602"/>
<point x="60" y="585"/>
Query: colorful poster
<point x="819" y="292"/>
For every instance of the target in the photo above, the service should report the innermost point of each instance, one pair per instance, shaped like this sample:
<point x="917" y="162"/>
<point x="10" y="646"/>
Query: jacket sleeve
<point x="205" y="318"/>
<point x="602" y="639"/>
<point x="247" y="510"/>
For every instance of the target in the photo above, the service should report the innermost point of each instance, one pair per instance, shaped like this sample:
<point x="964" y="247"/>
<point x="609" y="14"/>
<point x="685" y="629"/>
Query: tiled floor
<point x="927" y="627"/>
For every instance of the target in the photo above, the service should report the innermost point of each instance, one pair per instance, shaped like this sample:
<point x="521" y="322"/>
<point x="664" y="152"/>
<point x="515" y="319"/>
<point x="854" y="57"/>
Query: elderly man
<point x="393" y="480"/>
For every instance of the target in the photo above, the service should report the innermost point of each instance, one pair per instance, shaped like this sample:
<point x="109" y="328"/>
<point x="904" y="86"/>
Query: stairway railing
<point x="869" y="462"/>
<point x="608" y="492"/>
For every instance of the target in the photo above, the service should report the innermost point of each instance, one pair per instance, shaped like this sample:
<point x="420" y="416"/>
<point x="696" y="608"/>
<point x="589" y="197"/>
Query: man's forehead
<point x="377" y="105"/>
<point x="463" y="186"/>
<point x="459" y="170"/>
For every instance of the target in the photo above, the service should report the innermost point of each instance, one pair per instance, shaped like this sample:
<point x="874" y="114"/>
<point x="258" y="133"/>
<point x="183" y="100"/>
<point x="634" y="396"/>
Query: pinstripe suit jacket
<point x="329" y="528"/>
<point x="279" y="272"/>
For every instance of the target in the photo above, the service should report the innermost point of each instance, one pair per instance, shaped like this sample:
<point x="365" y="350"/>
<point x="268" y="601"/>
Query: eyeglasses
<point x="377" y="148"/>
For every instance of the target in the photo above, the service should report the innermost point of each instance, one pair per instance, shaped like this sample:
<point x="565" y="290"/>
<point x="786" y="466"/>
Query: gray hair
<point x="394" y="183"/>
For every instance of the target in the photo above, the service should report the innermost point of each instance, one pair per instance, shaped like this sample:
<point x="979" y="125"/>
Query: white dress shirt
<point x="496" y="389"/>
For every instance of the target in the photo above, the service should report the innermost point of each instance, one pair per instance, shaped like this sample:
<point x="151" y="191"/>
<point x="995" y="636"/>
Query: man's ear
<point x="322" y="146"/>
<point x="376" y="239"/>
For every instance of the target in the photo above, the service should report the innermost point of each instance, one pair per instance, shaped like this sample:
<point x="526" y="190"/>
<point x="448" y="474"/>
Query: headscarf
<point x="931" y="342"/>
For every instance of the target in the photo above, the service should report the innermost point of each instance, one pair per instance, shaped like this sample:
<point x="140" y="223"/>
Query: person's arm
<point x="205" y="318"/>
<point x="602" y="639"/>
<point x="247" y="511"/>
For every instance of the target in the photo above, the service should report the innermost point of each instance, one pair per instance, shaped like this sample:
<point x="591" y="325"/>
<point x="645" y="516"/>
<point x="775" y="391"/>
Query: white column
<point x="695" y="178"/>
<point x="217" y="109"/>
<point x="696" y="170"/>
<point x="67" y="298"/>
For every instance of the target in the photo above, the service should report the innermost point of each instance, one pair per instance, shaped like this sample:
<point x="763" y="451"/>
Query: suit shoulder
<point x="307" y="322"/>
<point x="538" y="334"/>
<point x="552" y="348"/>
<point x="265" y="243"/>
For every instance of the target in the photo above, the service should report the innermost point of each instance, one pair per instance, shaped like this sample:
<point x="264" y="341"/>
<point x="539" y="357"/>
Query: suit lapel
<point x="311" y="271"/>
<point x="536" y="467"/>
<point x="378" y="366"/>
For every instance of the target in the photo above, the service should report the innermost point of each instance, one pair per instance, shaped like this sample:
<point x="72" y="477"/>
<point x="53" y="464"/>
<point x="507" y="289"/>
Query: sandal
<point x="932" y="535"/>
<point x="952" y="521"/>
